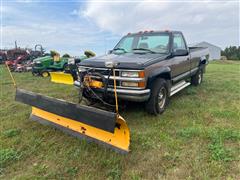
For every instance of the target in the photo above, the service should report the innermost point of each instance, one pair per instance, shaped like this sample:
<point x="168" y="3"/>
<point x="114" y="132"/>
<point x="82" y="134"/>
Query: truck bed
<point x="195" y="48"/>
<point x="198" y="51"/>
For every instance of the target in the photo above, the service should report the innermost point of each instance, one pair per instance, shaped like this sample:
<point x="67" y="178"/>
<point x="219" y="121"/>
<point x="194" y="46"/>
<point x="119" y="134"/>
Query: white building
<point x="214" y="51"/>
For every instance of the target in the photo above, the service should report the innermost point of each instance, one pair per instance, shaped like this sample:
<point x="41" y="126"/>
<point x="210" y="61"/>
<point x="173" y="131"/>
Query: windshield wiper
<point x="120" y="49"/>
<point x="143" y="49"/>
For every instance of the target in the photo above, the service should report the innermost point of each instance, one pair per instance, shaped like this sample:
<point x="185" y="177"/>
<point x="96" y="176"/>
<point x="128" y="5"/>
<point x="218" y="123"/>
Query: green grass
<point x="198" y="137"/>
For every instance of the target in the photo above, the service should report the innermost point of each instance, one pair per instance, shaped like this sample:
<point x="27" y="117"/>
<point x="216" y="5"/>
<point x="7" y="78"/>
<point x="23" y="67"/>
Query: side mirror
<point x="180" y="52"/>
<point x="110" y="52"/>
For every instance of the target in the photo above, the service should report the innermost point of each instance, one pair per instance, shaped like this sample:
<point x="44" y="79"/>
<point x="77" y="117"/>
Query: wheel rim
<point x="45" y="74"/>
<point x="199" y="78"/>
<point x="162" y="97"/>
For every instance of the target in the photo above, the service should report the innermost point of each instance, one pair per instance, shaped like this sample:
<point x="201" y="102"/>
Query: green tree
<point x="66" y="56"/>
<point x="232" y="52"/>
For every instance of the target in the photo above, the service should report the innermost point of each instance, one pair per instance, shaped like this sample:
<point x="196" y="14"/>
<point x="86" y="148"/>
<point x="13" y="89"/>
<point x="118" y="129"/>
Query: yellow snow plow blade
<point x="61" y="77"/>
<point x="93" y="124"/>
<point x="119" y="140"/>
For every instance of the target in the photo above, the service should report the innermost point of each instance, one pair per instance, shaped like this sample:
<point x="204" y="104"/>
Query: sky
<point x="70" y="26"/>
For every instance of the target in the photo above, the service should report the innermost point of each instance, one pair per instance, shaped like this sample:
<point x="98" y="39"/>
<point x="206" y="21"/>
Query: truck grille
<point x="105" y="72"/>
<point x="119" y="79"/>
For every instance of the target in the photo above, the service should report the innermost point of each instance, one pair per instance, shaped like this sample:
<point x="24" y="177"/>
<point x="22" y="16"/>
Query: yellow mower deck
<point x="61" y="77"/>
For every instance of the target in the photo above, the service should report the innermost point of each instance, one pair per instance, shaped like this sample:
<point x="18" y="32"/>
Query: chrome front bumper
<point x="134" y="95"/>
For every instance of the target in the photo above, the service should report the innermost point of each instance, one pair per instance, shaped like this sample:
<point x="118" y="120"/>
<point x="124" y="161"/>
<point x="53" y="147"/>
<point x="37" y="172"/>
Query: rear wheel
<point x="35" y="73"/>
<point x="44" y="73"/>
<point x="197" y="78"/>
<point x="159" y="97"/>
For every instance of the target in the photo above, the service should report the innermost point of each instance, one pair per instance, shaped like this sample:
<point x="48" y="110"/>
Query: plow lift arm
<point x="93" y="124"/>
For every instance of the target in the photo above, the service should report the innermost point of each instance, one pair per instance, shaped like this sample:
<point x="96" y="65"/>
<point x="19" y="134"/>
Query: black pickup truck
<point x="152" y="66"/>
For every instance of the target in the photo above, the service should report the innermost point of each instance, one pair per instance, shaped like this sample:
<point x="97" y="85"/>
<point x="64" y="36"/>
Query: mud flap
<point x="61" y="77"/>
<point x="93" y="124"/>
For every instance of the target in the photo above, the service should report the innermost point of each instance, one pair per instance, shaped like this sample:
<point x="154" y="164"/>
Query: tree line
<point x="231" y="52"/>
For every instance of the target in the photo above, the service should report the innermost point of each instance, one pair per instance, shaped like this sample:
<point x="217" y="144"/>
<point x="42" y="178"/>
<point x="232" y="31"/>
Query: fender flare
<point x="161" y="71"/>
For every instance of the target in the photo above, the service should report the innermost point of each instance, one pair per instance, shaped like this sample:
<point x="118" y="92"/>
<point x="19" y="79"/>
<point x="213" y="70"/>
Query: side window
<point x="178" y="42"/>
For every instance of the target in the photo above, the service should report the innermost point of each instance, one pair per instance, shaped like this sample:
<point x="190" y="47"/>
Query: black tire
<point x="155" y="105"/>
<point x="35" y="73"/>
<point x="197" y="78"/>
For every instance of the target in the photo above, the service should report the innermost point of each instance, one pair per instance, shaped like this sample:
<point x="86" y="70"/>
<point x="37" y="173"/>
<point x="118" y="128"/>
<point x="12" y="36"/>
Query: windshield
<point x="148" y="43"/>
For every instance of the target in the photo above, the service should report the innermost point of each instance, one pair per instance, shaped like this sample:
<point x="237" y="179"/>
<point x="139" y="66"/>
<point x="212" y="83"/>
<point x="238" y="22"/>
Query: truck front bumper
<point x="134" y="95"/>
<point x="131" y="95"/>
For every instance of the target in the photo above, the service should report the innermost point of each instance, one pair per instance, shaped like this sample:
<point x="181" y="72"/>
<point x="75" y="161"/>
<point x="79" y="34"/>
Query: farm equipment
<point x="16" y="56"/>
<point x="66" y="77"/>
<point x="23" y="67"/>
<point x="94" y="124"/>
<point x="14" y="63"/>
<point x="19" y="60"/>
<point x="37" y="52"/>
<point x="13" y="54"/>
<point x="3" y="57"/>
<point x="43" y="65"/>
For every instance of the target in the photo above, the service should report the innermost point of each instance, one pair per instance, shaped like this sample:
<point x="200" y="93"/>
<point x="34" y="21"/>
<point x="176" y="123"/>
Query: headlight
<point x="133" y="74"/>
<point x="38" y="62"/>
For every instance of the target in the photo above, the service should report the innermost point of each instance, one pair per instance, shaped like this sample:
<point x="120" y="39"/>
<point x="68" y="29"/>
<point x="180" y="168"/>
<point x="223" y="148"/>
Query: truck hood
<point x="127" y="60"/>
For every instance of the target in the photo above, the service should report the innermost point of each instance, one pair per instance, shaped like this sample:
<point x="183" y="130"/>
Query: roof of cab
<point x="153" y="32"/>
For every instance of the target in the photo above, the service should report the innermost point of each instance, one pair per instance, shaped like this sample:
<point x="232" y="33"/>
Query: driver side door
<point x="180" y="64"/>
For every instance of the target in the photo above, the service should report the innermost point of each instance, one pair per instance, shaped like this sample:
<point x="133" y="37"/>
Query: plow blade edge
<point x="81" y="121"/>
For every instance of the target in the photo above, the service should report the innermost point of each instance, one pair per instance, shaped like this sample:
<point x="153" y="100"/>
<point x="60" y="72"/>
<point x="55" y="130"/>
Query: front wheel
<point x="159" y="97"/>
<point x="197" y="78"/>
<point x="44" y="73"/>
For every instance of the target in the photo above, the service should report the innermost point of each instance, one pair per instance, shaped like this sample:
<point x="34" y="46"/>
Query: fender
<point x="159" y="72"/>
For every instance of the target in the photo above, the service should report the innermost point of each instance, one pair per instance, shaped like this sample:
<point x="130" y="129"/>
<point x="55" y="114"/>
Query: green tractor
<point x="42" y="66"/>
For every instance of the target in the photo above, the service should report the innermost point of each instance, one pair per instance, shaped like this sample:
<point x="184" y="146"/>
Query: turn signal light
<point x="134" y="84"/>
<point x="141" y="74"/>
<point x="141" y="84"/>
